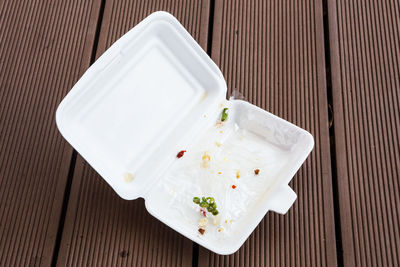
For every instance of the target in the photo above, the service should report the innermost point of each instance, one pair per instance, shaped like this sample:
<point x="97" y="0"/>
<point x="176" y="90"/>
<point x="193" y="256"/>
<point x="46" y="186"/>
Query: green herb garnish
<point x="207" y="203"/>
<point x="224" y="115"/>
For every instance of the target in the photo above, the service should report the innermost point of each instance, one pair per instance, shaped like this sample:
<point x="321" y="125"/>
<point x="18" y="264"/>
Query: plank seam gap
<point x="97" y="34"/>
<point x="64" y="209"/>
<point x="195" y="253"/>
<point x="74" y="153"/>
<point x="339" y="245"/>
<point x="210" y="27"/>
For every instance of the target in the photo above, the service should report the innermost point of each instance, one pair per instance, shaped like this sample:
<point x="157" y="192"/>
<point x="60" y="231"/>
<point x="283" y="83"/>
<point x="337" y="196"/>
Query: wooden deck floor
<point x="329" y="66"/>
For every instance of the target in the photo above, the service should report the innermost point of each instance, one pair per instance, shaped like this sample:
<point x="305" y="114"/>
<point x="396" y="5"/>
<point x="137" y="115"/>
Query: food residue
<point x="206" y="158"/>
<point x="203" y="212"/>
<point x="180" y="154"/>
<point x="207" y="203"/>
<point x="128" y="177"/>
<point x="203" y="222"/>
<point x="224" y="114"/>
<point x="204" y="96"/>
<point x="215" y="220"/>
<point x="207" y="177"/>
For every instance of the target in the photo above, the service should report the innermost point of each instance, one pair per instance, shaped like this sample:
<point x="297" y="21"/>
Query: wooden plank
<point x="273" y="52"/>
<point x="44" y="48"/>
<point x="365" y="52"/>
<point x="101" y="229"/>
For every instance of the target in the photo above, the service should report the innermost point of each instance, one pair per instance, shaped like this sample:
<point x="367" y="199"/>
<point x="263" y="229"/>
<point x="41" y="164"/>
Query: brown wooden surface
<point x="272" y="51"/>
<point x="100" y="227"/>
<point x="365" y="56"/>
<point x="44" y="48"/>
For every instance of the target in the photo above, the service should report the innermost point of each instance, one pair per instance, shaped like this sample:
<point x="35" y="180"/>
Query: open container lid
<point x="140" y="102"/>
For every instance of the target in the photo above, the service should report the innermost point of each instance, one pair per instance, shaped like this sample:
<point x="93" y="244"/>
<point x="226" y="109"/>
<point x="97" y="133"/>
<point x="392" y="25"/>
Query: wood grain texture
<point x="273" y="53"/>
<point x="101" y="229"/>
<point x="44" y="46"/>
<point x="365" y="52"/>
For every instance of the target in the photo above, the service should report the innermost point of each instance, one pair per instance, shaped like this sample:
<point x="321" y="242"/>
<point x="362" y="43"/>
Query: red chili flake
<point x="233" y="186"/>
<point x="201" y="231"/>
<point x="256" y="171"/>
<point x="180" y="154"/>
<point x="203" y="212"/>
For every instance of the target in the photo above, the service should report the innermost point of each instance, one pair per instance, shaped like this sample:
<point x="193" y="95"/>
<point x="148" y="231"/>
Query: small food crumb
<point x="237" y="174"/>
<point x="215" y="220"/>
<point x="203" y="222"/>
<point x="233" y="186"/>
<point x="201" y="231"/>
<point x="218" y="144"/>
<point x="220" y="229"/>
<point x="226" y="221"/>
<point x="219" y="172"/>
<point x="180" y="154"/>
<point x="128" y="177"/>
<point x="220" y="131"/>
<point x="206" y="158"/>
<point x="256" y="171"/>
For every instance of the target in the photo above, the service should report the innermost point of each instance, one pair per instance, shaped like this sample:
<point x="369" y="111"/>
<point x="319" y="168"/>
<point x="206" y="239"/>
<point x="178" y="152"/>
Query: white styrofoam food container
<point x="150" y="95"/>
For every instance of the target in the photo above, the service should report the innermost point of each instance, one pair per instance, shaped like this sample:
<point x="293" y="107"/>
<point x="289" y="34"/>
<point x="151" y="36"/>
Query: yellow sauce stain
<point x="206" y="158"/>
<point x="204" y="96"/>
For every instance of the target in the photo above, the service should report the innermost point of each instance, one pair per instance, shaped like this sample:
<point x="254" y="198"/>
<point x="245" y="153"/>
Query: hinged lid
<point x="140" y="102"/>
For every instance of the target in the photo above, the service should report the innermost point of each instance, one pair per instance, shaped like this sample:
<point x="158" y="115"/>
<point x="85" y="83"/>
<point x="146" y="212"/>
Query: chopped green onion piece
<point x="207" y="203"/>
<point x="224" y="115"/>
<point x="196" y="200"/>
<point x="204" y="204"/>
